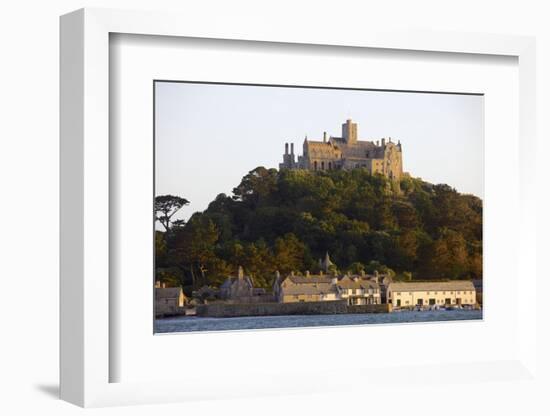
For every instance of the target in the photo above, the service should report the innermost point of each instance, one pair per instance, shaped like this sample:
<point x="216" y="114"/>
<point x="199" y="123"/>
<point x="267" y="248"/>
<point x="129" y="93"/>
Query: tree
<point x="165" y="208"/>
<point x="195" y="247"/>
<point x="286" y="220"/>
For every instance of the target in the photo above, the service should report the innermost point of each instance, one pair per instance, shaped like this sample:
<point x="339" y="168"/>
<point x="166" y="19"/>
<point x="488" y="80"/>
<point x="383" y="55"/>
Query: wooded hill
<point x="286" y="220"/>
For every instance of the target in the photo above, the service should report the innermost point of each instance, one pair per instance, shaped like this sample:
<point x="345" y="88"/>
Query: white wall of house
<point x="452" y="297"/>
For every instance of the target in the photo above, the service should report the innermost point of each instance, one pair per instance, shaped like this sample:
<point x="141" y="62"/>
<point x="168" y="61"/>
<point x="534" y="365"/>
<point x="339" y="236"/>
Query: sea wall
<point x="225" y="310"/>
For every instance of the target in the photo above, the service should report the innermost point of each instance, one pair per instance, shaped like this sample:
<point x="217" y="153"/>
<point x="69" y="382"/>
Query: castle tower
<point x="349" y="131"/>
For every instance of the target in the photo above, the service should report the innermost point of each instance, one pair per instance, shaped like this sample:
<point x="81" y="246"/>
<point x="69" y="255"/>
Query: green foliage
<point x="165" y="208"/>
<point x="287" y="220"/>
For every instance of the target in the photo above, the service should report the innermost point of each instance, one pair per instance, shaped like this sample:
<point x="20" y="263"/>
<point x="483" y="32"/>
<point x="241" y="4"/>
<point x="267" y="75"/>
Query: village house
<point x="308" y="288"/>
<point x="241" y="288"/>
<point x="356" y="289"/>
<point x="169" y="300"/>
<point x="359" y="290"/>
<point x="426" y="293"/>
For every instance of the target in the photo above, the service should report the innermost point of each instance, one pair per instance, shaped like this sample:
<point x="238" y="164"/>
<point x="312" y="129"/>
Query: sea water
<point x="193" y="324"/>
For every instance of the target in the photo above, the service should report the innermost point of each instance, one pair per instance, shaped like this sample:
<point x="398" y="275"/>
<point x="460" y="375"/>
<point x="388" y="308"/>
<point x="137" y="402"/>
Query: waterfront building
<point x="169" y="300"/>
<point x="358" y="290"/>
<point x="427" y="293"/>
<point x="355" y="289"/>
<point x="240" y="288"/>
<point x="308" y="288"/>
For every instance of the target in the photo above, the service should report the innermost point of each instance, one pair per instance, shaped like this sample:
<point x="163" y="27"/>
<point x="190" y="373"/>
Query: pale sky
<point x="207" y="137"/>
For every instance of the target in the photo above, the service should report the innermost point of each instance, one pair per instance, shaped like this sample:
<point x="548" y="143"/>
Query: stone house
<point x="169" y="300"/>
<point x="359" y="290"/>
<point x="308" y="288"/>
<point x="241" y="288"/>
<point x="356" y="289"/>
<point x="427" y="293"/>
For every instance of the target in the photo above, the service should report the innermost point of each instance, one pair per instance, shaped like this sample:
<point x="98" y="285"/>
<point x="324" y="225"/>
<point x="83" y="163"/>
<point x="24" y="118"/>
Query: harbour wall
<point x="226" y="310"/>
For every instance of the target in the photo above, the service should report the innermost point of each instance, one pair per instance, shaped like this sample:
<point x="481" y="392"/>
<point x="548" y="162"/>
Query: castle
<point x="347" y="152"/>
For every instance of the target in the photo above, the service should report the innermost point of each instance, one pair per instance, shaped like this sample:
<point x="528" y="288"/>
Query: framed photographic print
<point x="246" y="196"/>
<point x="334" y="231"/>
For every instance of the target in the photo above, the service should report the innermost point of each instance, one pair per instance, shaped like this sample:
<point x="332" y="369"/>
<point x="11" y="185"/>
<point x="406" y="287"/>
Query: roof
<point x="310" y="279"/>
<point x="168" y="292"/>
<point x="431" y="286"/>
<point x="355" y="282"/>
<point x="311" y="289"/>
<point x="230" y="281"/>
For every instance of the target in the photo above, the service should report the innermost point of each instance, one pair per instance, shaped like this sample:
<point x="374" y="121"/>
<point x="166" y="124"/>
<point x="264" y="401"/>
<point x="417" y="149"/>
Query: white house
<point x="453" y="292"/>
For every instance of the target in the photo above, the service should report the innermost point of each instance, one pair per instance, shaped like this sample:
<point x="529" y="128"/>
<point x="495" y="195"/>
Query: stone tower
<point x="349" y="132"/>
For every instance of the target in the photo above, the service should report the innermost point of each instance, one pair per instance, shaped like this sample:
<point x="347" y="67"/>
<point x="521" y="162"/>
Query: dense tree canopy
<point x="286" y="220"/>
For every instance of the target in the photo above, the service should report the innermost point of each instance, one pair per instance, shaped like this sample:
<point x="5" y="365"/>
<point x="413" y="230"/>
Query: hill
<point x="286" y="220"/>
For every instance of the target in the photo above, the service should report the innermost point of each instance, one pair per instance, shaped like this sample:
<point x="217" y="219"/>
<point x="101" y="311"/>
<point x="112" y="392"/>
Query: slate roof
<point x="450" y="285"/>
<point x="167" y="292"/>
<point x="310" y="279"/>
<point x="310" y="289"/>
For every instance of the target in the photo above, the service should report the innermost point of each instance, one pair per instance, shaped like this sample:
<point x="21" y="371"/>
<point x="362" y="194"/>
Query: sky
<point x="208" y="136"/>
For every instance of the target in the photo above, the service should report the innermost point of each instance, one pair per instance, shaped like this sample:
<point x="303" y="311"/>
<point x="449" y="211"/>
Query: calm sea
<point x="193" y="324"/>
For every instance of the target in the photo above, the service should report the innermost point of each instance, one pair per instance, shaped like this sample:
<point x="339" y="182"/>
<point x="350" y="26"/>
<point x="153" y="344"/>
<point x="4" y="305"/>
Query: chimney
<point x="241" y="273"/>
<point x="157" y="284"/>
<point x="383" y="142"/>
<point x="307" y="273"/>
<point x="378" y="142"/>
<point x="291" y="148"/>
<point x="324" y="137"/>
<point x="286" y="148"/>
<point x="164" y="285"/>
<point x="334" y="280"/>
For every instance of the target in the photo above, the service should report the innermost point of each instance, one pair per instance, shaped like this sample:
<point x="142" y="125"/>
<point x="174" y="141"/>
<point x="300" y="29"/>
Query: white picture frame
<point x="85" y="352"/>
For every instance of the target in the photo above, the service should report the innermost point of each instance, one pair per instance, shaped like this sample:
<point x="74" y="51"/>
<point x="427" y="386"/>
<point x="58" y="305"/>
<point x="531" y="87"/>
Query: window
<point x="315" y="165"/>
<point x="398" y="293"/>
<point x="329" y="165"/>
<point x="322" y="165"/>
